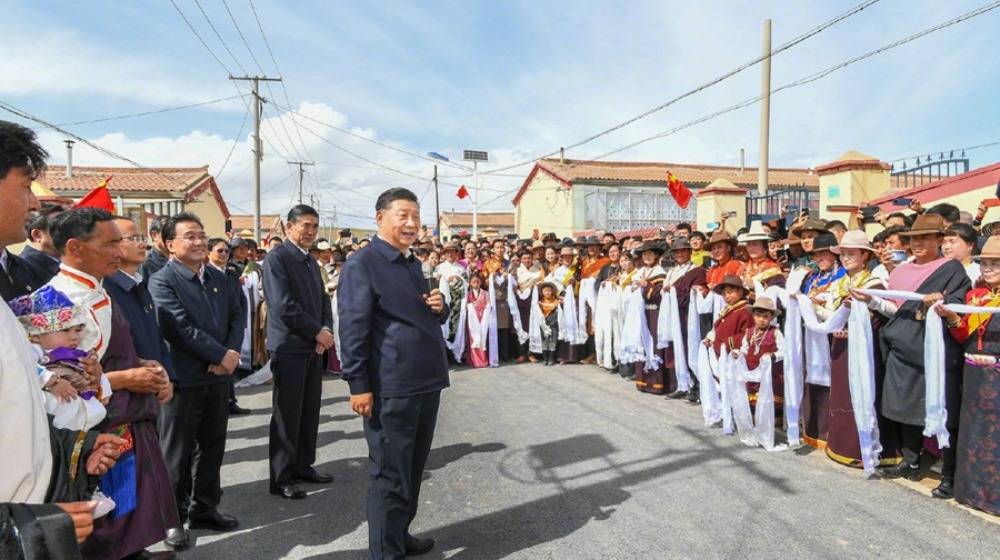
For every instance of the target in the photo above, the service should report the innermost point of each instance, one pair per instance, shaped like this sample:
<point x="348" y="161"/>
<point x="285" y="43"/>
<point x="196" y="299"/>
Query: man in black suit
<point x="201" y="319"/>
<point x="158" y="256"/>
<point x="299" y="330"/>
<point x="40" y="254"/>
<point x="393" y="357"/>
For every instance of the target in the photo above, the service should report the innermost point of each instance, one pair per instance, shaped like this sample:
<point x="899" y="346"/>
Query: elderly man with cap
<point x="590" y="267"/>
<point x="681" y="279"/>
<point x="902" y="341"/>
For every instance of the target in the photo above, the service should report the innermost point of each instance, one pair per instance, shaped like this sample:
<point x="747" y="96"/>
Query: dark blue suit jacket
<point x="135" y="303"/>
<point x="200" y="322"/>
<point x="42" y="267"/>
<point x="391" y="343"/>
<point x="298" y="307"/>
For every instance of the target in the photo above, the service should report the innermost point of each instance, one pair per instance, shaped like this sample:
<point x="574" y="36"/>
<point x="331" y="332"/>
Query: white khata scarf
<point x="494" y="356"/>
<point x="604" y="327"/>
<point x="567" y="319"/>
<point x="587" y="298"/>
<point x="515" y="311"/>
<point x="637" y="343"/>
<point x="668" y="332"/>
<point x="751" y="432"/>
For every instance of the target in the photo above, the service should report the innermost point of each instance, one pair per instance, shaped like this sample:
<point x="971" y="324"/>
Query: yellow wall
<point x="210" y="213"/>
<point x="544" y="208"/>
<point x="853" y="187"/>
<point x="712" y="205"/>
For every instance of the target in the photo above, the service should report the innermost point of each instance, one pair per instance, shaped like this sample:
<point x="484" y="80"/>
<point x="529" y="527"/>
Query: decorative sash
<point x="587" y="298"/>
<point x="759" y="428"/>
<point x="567" y="319"/>
<point x="604" y="319"/>
<point x="492" y="334"/>
<point x="817" y="343"/>
<point x="861" y="376"/>
<point x="668" y="332"/>
<point x="708" y="387"/>
<point x="637" y="343"/>
<point x="515" y="310"/>
<point x="536" y="325"/>
<point x="479" y="328"/>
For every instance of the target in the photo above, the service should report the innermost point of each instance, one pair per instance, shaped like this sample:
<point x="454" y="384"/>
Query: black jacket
<point x="42" y="267"/>
<point x="391" y="342"/>
<point x="200" y="322"/>
<point x="298" y="307"/>
<point x="18" y="280"/>
<point x="155" y="260"/>
<point x="135" y="303"/>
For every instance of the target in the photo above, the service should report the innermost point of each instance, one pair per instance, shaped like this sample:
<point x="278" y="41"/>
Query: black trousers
<point x="399" y="435"/>
<point x="503" y="344"/>
<point x="193" y="440"/>
<point x="911" y="439"/>
<point x="295" y="400"/>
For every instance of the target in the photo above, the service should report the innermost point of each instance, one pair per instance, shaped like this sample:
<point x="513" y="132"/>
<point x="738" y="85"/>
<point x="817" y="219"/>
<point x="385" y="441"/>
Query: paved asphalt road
<point x="571" y="462"/>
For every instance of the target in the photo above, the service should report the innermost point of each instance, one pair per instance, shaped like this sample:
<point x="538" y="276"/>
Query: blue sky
<point x="519" y="79"/>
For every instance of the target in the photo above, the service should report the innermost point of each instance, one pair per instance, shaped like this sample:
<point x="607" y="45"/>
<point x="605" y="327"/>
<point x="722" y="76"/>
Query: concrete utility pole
<point x="765" y="110"/>
<point x="258" y="146"/>
<point x="437" y="203"/>
<point x="302" y="172"/>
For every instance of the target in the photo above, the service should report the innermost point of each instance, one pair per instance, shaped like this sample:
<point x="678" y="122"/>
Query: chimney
<point x="743" y="160"/>
<point x="69" y="158"/>
<point x="562" y="155"/>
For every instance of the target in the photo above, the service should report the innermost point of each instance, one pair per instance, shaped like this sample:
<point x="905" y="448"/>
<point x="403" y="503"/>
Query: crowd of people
<point x="122" y="349"/>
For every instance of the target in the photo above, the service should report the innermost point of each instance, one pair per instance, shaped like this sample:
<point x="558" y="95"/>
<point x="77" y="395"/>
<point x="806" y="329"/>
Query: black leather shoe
<point x="165" y="555"/>
<point x="902" y="470"/>
<point x="317" y="477"/>
<point x="677" y="395"/>
<point x="693" y="396"/>
<point x="945" y="490"/>
<point x="290" y="492"/>
<point x="416" y="547"/>
<point x="177" y="538"/>
<point x="214" y="521"/>
<point x="237" y="410"/>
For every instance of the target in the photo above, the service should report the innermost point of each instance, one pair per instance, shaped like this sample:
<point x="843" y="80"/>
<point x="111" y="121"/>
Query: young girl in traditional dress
<point x="478" y="310"/>
<point x="549" y="303"/>
<point x="734" y="320"/>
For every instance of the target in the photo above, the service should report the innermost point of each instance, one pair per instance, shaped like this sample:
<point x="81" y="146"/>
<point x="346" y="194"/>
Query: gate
<point x="928" y="170"/>
<point x="768" y="207"/>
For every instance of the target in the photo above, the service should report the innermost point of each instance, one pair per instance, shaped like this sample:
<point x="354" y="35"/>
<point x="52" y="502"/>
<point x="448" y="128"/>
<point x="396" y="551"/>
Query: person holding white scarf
<point x="681" y="279"/>
<point x="902" y="340"/>
<point x="649" y="281"/>
<point x="566" y="277"/>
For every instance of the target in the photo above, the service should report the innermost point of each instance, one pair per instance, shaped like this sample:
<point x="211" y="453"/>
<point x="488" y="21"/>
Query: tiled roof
<point x="484" y="219"/>
<point x="267" y="222"/>
<point x="124" y="179"/>
<point x="570" y="171"/>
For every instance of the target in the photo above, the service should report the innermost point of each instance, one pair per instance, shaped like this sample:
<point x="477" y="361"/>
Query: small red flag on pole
<point x="463" y="192"/>
<point x="678" y="190"/>
<point x="100" y="197"/>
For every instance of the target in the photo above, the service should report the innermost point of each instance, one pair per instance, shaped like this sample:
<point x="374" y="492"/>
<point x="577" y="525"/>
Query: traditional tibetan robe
<point x="85" y="290"/>
<point x="816" y="398"/>
<point x="977" y="479"/>
<point x="561" y="276"/>
<point x="755" y="344"/>
<point x="765" y="271"/>
<point x="549" y="307"/>
<point x="655" y="380"/>
<point x="720" y="271"/>
<point x="478" y="309"/>
<point x="682" y="279"/>
<point x="843" y="444"/>
<point x="732" y="324"/>
<point x="527" y="278"/>
<point x="491" y="266"/>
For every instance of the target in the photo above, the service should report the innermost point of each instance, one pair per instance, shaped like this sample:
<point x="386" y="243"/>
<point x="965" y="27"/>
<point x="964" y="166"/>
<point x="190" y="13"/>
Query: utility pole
<point x="302" y="173"/>
<point x="258" y="146"/>
<point x="437" y="203"/>
<point x="765" y="110"/>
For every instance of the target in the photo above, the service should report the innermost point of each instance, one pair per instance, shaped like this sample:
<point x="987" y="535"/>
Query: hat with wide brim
<point x="793" y="239"/>
<point x="593" y="240"/>
<point x="567" y="251"/>
<point x="756" y="233"/>
<point x="552" y="285"/>
<point x="730" y="280"/>
<point x="765" y="304"/>
<point x="582" y="240"/>
<point x="925" y="224"/>
<point x="537" y="245"/>
<point x="823" y="242"/>
<point x="991" y="249"/>
<point x="651" y="245"/>
<point x="681" y="244"/>
<point x="449" y="247"/>
<point x="722" y="236"/>
<point x="856" y="239"/>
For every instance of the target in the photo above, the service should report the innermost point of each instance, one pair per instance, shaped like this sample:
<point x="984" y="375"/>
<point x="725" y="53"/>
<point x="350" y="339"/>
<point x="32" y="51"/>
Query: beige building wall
<point x="850" y="188"/>
<point x="208" y="209"/>
<point x="721" y="196"/>
<point x="546" y="209"/>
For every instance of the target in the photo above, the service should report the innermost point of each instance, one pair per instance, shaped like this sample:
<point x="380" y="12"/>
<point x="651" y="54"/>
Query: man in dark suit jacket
<point x="201" y="319"/>
<point x="16" y="279"/>
<point x="157" y="257"/>
<point x="40" y="254"/>
<point x="299" y="330"/>
<point x="393" y="357"/>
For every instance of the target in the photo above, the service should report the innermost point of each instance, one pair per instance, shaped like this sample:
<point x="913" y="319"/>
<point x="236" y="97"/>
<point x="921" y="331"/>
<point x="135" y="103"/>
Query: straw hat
<point x="856" y="239"/>
<point x="756" y="233"/>
<point x="991" y="249"/>
<point x="730" y="280"/>
<point x="925" y="224"/>
<point x="765" y="304"/>
<point x="722" y="236"/>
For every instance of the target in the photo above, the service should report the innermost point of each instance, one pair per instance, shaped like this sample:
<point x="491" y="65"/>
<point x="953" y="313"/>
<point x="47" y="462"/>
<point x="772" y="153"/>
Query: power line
<point x="702" y="87"/>
<point x="147" y="113"/>
<point x="219" y="37"/>
<point x="198" y="35"/>
<point x="236" y="141"/>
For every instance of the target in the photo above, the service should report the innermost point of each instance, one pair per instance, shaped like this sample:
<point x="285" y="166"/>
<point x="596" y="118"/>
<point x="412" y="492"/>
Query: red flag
<point x="463" y="192"/>
<point x="100" y="197"/>
<point x="678" y="190"/>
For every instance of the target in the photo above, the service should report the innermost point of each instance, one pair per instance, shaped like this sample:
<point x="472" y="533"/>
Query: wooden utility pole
<point x="258" y="146"/>
<point x="765" y="110"/>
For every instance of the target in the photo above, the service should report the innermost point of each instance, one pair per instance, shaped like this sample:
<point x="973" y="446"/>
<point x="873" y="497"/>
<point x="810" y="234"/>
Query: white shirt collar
<point x="4" y="255"/>
<point x="80" y="276"/>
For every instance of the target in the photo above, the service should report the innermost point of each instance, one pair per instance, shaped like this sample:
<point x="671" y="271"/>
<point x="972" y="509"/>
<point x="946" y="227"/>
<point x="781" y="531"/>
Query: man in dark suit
<point x="158" y="256"/>
<point x="393" y="357"/>
<point x="299" y="330"/>
<point x="201" y="319"/>
<point x="40" y="254"/>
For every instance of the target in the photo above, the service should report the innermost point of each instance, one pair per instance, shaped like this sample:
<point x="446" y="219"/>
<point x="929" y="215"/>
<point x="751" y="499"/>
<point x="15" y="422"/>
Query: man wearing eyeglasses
<point x="201" y="319"/>
<point x="218" y="256"/>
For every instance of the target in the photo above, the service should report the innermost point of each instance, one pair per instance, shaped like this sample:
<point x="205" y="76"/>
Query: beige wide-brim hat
<point x="991" y="249"/>
<point x="567" y="252"/>
<point x="856" y="239"/>
<point x="537" y="245"/>
<point x="756" y="233"/>
<point x="925" y="224"/>
<point x="765" y="304"/>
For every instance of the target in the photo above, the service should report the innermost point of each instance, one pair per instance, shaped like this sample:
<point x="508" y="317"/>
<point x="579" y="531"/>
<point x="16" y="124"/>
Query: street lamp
<point x="475" y="157"/>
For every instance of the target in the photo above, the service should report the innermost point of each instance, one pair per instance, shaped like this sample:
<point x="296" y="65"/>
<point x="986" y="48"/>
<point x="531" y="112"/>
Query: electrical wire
<point x="236" y="141"/>
<point x="710" y="83"/>
<point x="967" y="148"/>
<point x="200" y="39"/>
<point x="147" y="113"/>
<point x="219" y="37"/>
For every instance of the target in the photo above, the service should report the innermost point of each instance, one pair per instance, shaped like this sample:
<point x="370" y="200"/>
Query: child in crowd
<point x="54" y="326"/>
<point x="764" y="339"/>
<point x="549" y="304"/>
<point x="734" y="320"/>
